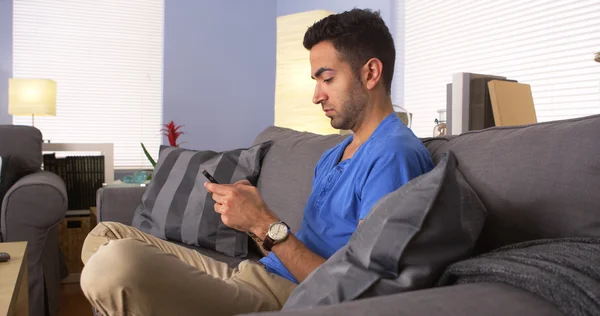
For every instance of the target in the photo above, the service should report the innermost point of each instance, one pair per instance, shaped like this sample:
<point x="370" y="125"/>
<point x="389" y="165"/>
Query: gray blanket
<point x="565" y="272"/>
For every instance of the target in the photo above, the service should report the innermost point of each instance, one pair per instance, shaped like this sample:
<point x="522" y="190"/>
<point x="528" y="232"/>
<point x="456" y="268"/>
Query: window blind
<point x="545" y="43"/>
<point x="107" y="60"/>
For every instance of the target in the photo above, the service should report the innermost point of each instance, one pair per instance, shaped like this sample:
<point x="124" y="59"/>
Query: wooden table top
<point x="11" y="274"/>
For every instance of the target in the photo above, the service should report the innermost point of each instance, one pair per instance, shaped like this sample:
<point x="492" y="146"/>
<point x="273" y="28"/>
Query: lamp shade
<point x="294" y="88"/>
<point x="31" y="97"/>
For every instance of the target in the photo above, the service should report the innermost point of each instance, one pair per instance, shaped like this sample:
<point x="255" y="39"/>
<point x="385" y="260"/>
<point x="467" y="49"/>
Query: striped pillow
<point x="176" y="206"/>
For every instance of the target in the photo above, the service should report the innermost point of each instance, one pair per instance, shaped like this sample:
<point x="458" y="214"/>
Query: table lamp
<point x="31" y="97"/>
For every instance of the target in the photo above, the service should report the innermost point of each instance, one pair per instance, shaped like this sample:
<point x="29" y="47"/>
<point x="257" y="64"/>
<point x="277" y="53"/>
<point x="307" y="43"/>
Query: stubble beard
<point x="351" y="110"/>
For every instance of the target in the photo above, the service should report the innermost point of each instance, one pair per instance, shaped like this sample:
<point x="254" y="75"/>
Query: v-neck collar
<point x="386" y="121"/>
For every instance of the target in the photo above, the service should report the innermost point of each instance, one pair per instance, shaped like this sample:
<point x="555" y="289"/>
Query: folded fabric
<point x="404" y="244"/>
<point x="563" y="271"/>
<point x="175" y="205"/>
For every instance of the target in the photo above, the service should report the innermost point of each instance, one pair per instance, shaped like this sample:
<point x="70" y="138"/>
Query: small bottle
<point x="440" y="127"/>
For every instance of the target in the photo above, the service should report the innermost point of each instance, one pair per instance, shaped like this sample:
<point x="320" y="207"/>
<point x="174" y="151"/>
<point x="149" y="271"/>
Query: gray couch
<point x="32" y="210"/>
<point x="537" y="181"/>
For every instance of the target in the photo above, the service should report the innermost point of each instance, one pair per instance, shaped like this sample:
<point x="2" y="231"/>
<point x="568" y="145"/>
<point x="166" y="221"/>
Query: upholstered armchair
<point x="33" y="205"/>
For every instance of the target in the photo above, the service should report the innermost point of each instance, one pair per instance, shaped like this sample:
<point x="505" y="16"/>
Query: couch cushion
<point x="175" y="205"/>
<point x="536" y="181"/>
<point x="563" y="271"/>
<point x="433" y="143"/>
<point x="489" y="299"/>
<point x="404" y="244"/>
<point x="287" y="170"/>
<point x="24" y="144"/>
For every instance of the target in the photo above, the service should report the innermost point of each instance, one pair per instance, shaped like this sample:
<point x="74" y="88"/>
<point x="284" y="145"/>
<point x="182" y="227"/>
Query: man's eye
<point x="328" y="80"/>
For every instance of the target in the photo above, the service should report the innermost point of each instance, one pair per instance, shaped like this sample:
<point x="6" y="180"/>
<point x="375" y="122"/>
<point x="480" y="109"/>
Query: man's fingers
<point x="243" y="182"/>
<point x="221" y="189"/>
<point x="218" y="198"/>
<point x="218" y="208"/>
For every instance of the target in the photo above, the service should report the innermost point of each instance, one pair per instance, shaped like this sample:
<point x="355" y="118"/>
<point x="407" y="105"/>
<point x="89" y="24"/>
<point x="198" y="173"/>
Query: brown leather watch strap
<point x="268" y="243"/>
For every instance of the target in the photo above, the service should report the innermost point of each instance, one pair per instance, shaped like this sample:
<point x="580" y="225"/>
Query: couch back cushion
<point x="536" y="181"/>
<point x="24" y="145"/>
<point x="285" y="181"/>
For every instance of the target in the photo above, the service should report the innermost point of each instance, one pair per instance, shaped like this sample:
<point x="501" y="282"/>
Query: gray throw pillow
<point x="175" y="205"/>
<point x="404" y="244"/>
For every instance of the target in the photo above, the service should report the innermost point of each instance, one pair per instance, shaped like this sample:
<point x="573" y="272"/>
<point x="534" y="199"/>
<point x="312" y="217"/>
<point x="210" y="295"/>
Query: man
<point x="352" y="61"/>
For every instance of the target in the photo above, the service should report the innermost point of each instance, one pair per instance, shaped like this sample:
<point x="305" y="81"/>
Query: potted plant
<point x="172" y="132"/>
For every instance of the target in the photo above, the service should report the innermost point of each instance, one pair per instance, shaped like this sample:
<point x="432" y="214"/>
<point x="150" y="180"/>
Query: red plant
<point x="172" y="132"/>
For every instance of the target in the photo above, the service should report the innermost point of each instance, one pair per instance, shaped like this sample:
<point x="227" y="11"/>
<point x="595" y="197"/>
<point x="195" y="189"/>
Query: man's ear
<point x="372" y="72"/>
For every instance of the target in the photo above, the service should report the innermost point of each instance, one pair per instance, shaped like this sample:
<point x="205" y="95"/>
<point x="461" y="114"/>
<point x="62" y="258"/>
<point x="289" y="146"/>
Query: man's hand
<point x="241" y="207"/>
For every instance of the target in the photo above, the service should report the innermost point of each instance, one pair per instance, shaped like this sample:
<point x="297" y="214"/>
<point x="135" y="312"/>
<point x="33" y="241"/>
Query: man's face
<point x="338" y="90"/>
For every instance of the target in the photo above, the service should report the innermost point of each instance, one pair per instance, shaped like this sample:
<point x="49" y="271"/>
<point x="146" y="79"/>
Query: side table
<point x="14" y="287"/>
<point x="71" y="234"/>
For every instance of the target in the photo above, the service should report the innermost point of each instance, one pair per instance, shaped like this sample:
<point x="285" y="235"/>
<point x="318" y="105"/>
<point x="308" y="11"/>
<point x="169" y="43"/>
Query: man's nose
<point x="318" y="96"/>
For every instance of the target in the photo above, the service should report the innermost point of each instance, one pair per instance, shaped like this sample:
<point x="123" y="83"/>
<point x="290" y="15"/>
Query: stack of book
<point x="479" y="101"/>
<point x="83" y="176"/>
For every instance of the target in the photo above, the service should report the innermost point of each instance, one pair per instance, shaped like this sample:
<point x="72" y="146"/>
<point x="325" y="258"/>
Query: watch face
<point x="278" y="231"/>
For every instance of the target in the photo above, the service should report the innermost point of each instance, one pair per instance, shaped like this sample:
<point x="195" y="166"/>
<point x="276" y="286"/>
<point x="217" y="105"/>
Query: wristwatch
<point x="278" y="232"/>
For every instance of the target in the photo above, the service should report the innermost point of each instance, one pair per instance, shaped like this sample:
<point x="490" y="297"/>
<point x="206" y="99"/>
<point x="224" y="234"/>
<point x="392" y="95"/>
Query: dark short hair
<point x="358" y="35"/>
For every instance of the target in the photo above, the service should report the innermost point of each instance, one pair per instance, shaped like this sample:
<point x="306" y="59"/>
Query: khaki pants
<point x="128" y="272"/>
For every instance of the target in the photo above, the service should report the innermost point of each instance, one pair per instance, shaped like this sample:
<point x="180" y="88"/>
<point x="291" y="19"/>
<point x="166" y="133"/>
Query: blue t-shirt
<point x="343" y="192"/>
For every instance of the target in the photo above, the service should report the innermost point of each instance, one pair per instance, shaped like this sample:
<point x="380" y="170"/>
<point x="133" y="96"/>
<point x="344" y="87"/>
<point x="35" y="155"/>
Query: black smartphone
<point x="209" y="176"/>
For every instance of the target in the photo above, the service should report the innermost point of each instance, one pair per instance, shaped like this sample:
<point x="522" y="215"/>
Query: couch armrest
<point x="118" y="204"/>
<point x="32" y="205"/>
<point x="32" y="211"/>
<point x="490" y="299"/>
